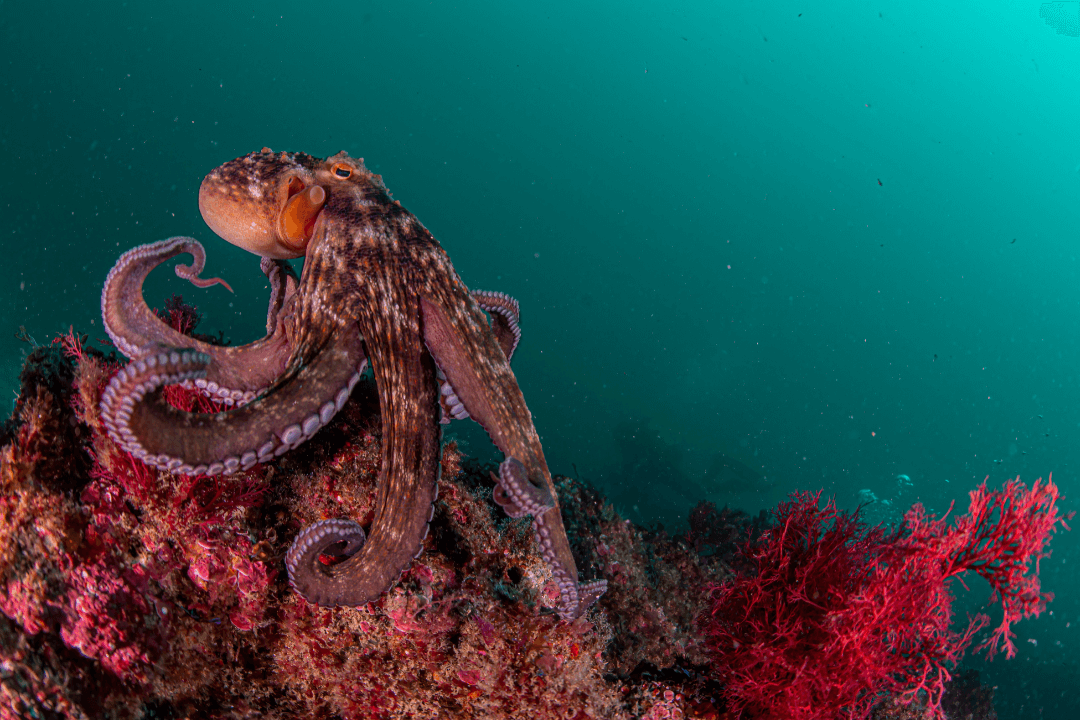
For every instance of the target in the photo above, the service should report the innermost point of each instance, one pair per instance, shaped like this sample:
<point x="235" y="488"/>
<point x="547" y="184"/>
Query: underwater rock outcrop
<point x="129" y="592"/>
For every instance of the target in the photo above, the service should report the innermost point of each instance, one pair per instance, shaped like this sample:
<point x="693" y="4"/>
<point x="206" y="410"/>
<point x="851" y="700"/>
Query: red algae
<point x="835" y="616"/>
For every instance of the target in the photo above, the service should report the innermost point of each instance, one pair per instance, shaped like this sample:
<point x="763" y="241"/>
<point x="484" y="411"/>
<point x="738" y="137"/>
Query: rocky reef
<point x="127" y="592"/>
<point x="132" y="593"/>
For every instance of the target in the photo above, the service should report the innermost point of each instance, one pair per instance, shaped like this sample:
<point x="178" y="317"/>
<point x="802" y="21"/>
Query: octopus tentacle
<point x="505" y="318"/>
<point x="407" y="484"/>
<point x="283" y="287"/>
<point x="305" y="398"/>
<point x="233" y="374"/>
<point x="131" y="324"/>
<point x="516" y="495"/>
<point x="314" y="539"/>
<point x="449" y="403"/>
<point x="491" y="394"/>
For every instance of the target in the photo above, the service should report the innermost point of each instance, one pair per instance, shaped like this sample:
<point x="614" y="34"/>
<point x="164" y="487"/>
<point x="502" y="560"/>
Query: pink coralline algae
<point x="224" y="569"/>
<point x="666" y="707"/>
<point x="130" y="593"/>
<point x="103" y="618"/>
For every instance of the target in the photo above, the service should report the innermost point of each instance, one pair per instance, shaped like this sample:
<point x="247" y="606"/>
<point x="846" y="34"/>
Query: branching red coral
<point x="1004" y="532"/>
<point x="835" y="614"/>
<point x="179" y="315"/>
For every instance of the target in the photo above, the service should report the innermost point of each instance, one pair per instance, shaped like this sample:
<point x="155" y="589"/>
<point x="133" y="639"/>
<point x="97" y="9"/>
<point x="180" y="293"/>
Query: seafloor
<point x="131" y="593"/>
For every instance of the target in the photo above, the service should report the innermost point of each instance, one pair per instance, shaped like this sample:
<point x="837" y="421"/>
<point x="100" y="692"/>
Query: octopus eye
<point x="342" y="170"/>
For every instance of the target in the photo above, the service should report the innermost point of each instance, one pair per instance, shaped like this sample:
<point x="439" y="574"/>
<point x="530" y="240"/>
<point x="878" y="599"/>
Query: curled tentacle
<point x="505" y="318"/>
<point x="232" y="374"/>
<point x="315" y="539"/>
<point x="516" y="495"/>
<point x="303" y="560"/>
<point x="407" y="485"/>
<point x="315" y="387"/>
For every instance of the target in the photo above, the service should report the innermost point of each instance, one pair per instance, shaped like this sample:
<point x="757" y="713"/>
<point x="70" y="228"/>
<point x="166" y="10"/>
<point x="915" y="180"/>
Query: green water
<point x="825" y="249"/>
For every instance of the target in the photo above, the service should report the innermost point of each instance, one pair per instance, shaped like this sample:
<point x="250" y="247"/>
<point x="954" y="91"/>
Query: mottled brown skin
<point x="371" y="271"/>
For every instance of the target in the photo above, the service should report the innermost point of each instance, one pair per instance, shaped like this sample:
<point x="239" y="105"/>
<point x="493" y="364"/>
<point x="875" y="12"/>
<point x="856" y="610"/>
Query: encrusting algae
<point x="133" y="593"/>
<point x="130" y="592"/>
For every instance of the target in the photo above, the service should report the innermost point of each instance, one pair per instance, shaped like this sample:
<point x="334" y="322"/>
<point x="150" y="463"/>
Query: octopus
<point x="376" y="287"/>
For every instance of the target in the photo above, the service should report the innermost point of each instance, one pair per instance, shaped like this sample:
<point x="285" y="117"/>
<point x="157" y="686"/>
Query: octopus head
<point x="269" y="203"/>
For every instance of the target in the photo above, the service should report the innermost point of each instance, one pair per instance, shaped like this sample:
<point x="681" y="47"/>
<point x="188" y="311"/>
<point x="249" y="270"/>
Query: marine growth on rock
<point x="129" y="592"/>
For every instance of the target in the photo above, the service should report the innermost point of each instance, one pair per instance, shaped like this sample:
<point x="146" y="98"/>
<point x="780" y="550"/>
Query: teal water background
<point x="826" y="244"/>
